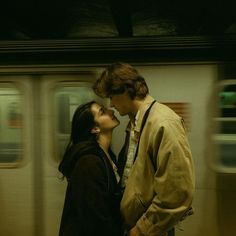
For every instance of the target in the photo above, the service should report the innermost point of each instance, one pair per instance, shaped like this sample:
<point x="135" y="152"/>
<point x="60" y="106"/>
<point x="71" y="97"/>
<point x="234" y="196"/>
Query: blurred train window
<point x="226" y="123"/>
<point x="68" y="98"/>
<point x="11" y="124"/>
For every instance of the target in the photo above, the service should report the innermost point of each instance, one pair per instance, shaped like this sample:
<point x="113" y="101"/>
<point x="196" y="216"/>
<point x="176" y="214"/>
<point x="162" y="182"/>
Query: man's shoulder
<point x="161" y="110"/>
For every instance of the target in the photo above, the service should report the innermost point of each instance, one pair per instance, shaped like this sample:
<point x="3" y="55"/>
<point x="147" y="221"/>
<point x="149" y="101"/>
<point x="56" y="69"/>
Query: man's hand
<point x="134" y="232"/>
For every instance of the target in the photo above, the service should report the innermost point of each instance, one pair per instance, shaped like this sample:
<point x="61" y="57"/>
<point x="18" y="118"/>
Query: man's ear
<point x="95" y="130"/>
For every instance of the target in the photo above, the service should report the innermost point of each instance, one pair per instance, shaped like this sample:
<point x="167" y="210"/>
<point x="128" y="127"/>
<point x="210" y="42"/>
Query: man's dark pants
<point x="171" y="232"/>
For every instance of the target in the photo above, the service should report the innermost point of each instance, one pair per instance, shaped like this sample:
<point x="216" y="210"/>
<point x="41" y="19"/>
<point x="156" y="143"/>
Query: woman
<point x="92" y="198"/>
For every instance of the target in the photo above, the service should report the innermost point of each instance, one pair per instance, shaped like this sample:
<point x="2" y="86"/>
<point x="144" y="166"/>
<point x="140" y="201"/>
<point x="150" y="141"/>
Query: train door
<point x="60" y="96"/>
<point x="16" y="177"/>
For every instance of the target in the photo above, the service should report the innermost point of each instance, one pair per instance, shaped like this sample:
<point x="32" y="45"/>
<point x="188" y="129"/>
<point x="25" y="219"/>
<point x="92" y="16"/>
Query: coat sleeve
<point x="173" y="183"/>
<point x="91" y="198"/>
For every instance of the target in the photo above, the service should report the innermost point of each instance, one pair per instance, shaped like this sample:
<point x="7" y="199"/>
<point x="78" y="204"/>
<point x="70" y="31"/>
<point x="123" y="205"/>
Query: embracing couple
<point x="149" y="187"/>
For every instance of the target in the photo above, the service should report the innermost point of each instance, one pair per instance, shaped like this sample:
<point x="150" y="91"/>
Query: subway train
<point x="36" y="108"/>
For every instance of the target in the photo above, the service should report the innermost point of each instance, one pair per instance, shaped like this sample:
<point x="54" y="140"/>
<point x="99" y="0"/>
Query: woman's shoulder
<point x="89" y="160"/>
<point x="89" y="169"/>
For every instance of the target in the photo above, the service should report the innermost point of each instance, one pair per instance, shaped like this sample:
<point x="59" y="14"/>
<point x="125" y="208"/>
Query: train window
<point x="228" y="109"/>
<point x="11" y="124"/>
<point x="225" y="137"/>
<point x="67" y="99"/>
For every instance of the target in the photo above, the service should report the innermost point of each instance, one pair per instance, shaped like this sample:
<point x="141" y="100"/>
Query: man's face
<point x="122" y="103"/>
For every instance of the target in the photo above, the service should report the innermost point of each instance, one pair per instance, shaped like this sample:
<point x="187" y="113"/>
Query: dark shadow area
<point x="73" y="19"/>
<point x="226" y="211"/>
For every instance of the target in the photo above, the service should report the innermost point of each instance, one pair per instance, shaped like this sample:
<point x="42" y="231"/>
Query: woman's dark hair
<point x="82" y="124"/>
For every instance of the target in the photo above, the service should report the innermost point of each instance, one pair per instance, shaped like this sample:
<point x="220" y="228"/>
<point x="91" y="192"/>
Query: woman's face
<point x="104" y="118"/>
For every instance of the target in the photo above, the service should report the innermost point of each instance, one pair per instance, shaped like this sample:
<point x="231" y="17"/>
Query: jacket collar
<point x="143" y="108"/>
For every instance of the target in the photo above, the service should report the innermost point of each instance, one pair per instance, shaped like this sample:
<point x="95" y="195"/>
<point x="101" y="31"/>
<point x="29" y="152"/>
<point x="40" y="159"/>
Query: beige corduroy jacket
<point x="160" y="188"/>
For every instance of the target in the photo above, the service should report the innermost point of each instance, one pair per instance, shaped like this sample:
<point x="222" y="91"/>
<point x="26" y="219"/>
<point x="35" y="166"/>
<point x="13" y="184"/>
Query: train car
<point x="36" y="107"/>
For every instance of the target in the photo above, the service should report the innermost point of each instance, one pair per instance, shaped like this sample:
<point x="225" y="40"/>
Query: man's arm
<point x="173" y="182"/>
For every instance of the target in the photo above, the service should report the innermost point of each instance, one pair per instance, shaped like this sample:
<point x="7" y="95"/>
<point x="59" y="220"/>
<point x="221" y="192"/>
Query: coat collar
<point x="143" y="108"/>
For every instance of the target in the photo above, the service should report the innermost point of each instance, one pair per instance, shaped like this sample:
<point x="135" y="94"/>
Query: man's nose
<point x="110" y="111"/>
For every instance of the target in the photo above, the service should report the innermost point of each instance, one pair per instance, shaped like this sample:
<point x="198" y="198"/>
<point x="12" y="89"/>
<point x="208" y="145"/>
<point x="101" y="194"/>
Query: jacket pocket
<point x="132" y="208"/>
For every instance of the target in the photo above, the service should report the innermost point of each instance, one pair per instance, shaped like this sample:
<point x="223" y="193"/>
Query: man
<point x="155" y="163"/>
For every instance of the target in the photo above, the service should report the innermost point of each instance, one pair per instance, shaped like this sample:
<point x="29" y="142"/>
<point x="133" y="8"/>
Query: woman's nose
<point x="111" y="104"/>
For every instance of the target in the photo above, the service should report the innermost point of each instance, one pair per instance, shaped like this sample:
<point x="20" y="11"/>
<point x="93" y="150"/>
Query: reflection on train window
<point x="11" y="124"/>
<point x="67" y="100"/>
<point x="228" y="101"/>
<point x="227" y="107"/>
<point x="226" y="123"/>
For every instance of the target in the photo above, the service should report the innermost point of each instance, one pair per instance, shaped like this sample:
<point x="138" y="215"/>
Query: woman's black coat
<point x="92" y="197"/>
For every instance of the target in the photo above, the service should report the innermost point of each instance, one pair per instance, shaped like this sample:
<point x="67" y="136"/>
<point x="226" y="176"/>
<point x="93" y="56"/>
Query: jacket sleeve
<point x="174" y="181"/>
<point x="91" y="197"/>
